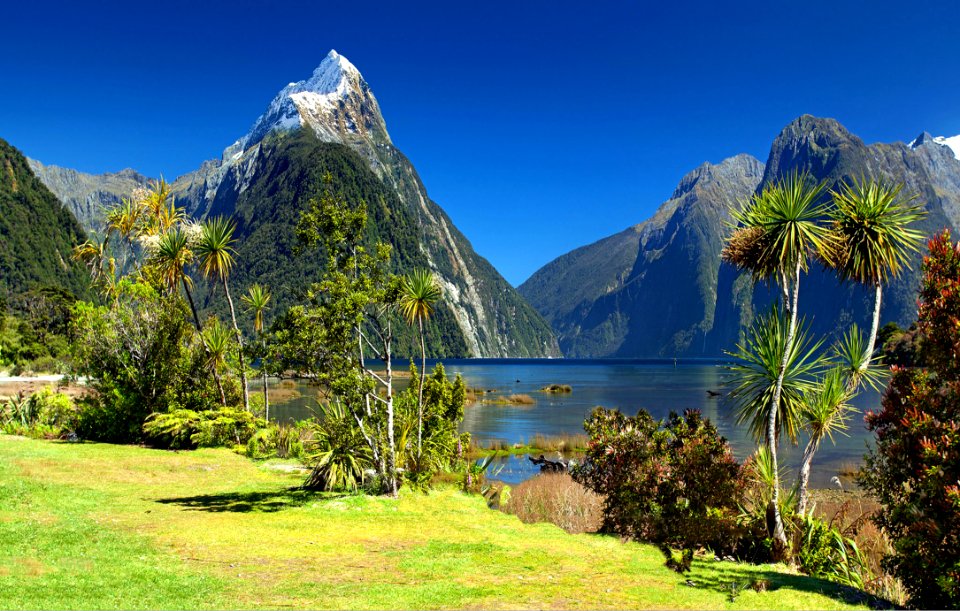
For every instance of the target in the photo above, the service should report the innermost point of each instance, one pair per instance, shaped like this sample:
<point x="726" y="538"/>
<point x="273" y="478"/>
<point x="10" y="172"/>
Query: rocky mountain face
<point x="335" y="107"/>
<point x="87" y="195"/>
<point x="928" y="169"/>
<point x="678" y="300"/>
<point x="650" y="290"/>
<point x="37" y="233"/>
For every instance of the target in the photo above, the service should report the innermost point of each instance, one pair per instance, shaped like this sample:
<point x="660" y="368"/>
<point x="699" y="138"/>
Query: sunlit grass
<point x="101" y="526"/>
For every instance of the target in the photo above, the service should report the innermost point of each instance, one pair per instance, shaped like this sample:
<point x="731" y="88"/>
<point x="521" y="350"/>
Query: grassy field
<point x="101" y="526"/>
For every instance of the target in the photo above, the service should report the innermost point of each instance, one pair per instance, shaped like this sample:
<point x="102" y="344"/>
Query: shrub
<point x="675" y="484"/>
<point x="142" y="356"/>
<point x="338" y="452"/>
<point x="823" y="551"/>
<point x="558" y="499"/>
<point x="173" y="429"/>
<point x="45" y="413"/>
<point x="557" y="388"/>
<point x="187" y="429"/>
<point x="282" y="441"/>
<point x="225" y="427"/>
<point x="914" y="468"/>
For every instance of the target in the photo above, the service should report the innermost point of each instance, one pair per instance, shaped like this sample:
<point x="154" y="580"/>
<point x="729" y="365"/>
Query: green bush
<point x="823" y="551"/>
<point x="45" y="413"/>
<point x="675" y="484"/>
<point x="339" y="454"/>
<point x="281" y="441"/>
<point x="187" y="429"/>
<point x="110" y="418"/>
<point x="142" y="356"/>
<point x="226" y="427"/>
<point x="55" y="409"/>
<point x="173" y="429"/>
<point x="914" y="468"/>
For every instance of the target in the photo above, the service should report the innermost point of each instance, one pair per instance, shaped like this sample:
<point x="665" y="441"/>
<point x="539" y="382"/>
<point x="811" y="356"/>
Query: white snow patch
<point x="953" y="142"/>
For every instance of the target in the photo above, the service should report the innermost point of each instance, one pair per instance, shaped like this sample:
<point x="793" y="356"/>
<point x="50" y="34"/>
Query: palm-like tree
<point x="756" y="373"/>
<point x="93" y="254"/>
<point x="217" y="341"/>
<point x="872" y="241"/>
<point x="420" y="292"/>
<point x="779" y="231"/>
<point x="256" y="301"/>
<point x="170" y="258"/>
<point x="214" y="251"/>
<point x="826" y="411"/>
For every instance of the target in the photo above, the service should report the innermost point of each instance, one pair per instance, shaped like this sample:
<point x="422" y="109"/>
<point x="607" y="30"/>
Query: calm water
<point x="656" y="386"/>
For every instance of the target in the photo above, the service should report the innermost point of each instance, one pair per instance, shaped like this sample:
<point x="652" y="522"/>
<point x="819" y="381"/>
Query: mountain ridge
<point x="337" y="106"/>
<point x="615" y="321"/>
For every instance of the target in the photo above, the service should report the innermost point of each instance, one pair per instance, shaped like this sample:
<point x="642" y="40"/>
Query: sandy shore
<point x="11" y="385"/>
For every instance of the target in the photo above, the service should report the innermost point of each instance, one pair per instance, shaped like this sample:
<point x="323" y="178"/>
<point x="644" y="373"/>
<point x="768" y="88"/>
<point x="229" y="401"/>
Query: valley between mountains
<point x="656" y="289"/>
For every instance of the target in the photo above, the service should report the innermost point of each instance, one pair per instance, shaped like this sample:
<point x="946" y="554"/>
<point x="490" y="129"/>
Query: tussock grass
<point x="515" y="399"/>
<point x="557" y="388"/>
<point x="556" y="498"/>
<point x="567" y="443"/>
<point x="102" y="526"/>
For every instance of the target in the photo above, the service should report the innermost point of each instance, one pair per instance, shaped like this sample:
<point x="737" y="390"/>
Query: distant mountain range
<point x="331" y="122"/>
<point x="658" y="289"/>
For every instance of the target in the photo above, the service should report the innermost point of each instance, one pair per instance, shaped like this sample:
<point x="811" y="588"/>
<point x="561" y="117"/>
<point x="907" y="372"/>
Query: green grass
<point x="101" y="526"/>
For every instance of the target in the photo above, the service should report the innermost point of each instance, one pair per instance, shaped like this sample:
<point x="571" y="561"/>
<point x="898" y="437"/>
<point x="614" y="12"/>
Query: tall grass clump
<point x="558" y="499"/>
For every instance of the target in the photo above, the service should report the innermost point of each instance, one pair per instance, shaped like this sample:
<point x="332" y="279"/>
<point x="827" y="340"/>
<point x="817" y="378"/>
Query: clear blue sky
<point x="539" y="126"/>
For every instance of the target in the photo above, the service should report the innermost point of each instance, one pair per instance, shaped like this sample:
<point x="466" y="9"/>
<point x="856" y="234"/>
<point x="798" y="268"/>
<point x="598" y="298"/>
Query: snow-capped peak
<point x="314" y="101"/>
<point x="951" y="142"/>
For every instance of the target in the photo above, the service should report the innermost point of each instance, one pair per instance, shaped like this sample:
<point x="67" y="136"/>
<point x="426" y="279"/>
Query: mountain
<point x="37" y="233"/>
<point x="88" y="195"/>
<point x="333" y="121"/>
<point x="677" y="299"/>
<point x="927" y="168"/>
<point x="649" y="290"/>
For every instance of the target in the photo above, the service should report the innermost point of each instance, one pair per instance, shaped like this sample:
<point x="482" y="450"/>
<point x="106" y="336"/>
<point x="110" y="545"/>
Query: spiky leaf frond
<point x="256" y="301"/>
<point x="171" y="257"/>
<point x="780" y="227"/>
<point x="419" y="292"/>
<point x="759" y="358"/>
<point x="871" y="223"/>
<point x="826" y="407"/>
<point x="215" y="247"/>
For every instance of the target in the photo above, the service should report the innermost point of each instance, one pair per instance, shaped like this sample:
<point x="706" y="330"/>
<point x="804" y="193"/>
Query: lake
<point x="658" y="386"/>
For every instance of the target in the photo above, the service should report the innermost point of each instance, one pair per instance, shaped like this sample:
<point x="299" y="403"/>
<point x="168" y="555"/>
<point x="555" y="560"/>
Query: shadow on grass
<point x="732" y="581"/>
<point x="243" y="502"/>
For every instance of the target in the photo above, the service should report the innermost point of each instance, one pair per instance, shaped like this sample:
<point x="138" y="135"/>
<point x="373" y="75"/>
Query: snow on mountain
<point x="335" y="102"/>
<point x="952" y="142"/>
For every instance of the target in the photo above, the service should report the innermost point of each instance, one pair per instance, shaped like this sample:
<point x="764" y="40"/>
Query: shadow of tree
<point x="260" y="501"/>
<point x="731" y="580"/>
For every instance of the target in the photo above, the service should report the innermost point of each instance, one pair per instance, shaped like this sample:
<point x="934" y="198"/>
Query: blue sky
<point x="538" y="126"/>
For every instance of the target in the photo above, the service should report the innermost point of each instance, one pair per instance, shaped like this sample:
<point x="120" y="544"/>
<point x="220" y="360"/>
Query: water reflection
<point x="657" y="386"/>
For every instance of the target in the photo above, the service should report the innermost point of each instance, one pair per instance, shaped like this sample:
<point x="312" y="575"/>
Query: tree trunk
<point x="193" y="308"/>
<point x="875" y="326"/>
<point x="777" y="531"/>
<point x="236" y="329"/>
<point x="206" y="349"/>
<point x="266" y="398"/>
<point x="808" y="453"/>
<point x="393" y="450"/>
<point x="423" y="373"/>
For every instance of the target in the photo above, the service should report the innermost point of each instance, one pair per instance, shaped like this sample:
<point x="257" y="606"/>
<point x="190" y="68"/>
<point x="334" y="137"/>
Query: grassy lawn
<point x="101" y="526"/>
